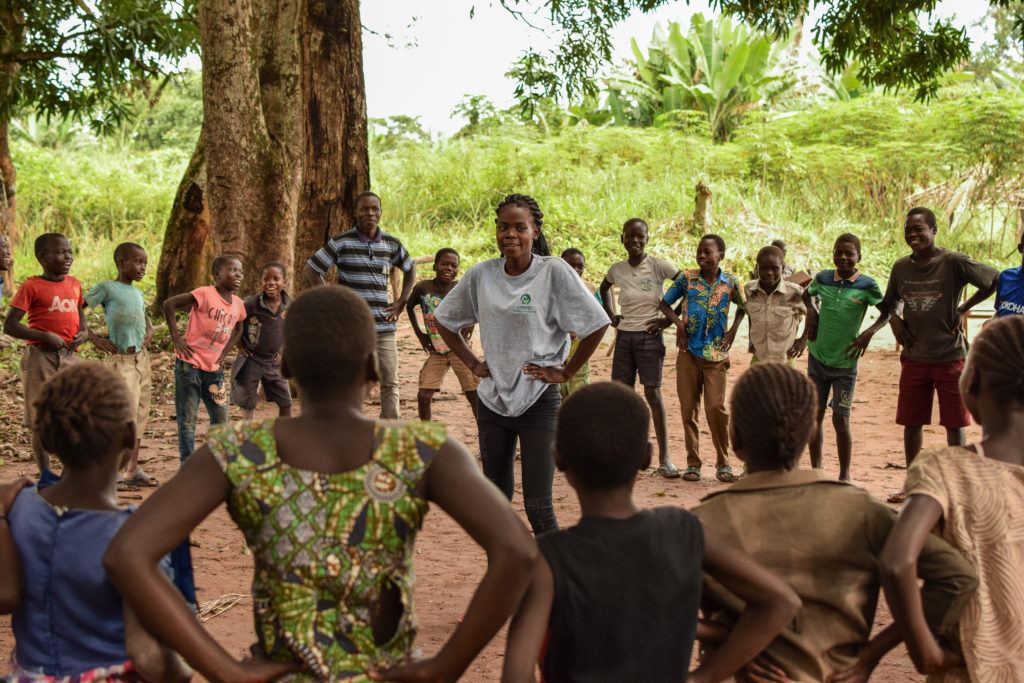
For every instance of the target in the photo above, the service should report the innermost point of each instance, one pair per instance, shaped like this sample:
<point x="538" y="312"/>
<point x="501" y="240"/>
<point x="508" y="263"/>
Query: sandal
<point x="725" y="475"/>
<point x="123" y="486"/>
<point x="669" y="471"/>
<point x="142" y="479"/>
<point x="897" y="498"/>
<point x="692" y="474"/>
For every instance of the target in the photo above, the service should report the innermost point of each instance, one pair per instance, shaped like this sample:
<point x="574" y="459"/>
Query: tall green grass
<point x="805" y="177"/>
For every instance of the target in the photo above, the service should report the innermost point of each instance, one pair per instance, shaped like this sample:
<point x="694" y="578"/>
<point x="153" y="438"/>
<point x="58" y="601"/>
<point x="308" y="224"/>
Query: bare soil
<point x="448" y="563"/>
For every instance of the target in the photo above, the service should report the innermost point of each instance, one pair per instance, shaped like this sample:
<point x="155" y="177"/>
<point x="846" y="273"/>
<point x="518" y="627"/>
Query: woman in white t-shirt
<point x="527" y="305"/>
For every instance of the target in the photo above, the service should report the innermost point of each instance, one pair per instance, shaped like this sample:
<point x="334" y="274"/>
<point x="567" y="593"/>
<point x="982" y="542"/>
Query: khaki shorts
<point x="37" y="366"/>
<point x="436" y="367"/>
<point x="135" y="371"/>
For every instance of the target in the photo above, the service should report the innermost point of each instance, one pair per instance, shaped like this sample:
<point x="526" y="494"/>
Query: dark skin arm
<point x="312" y="278"/>
<point x="899" y="579"/>
<point x="83" y="330"/>
<point x="860" y="344"/>
<point x="883" y="641"/>
<point x="606" y="302"/>
<point x="235" y="335"/>
<point x="461" y="349"/>
<point x="103" y="343"/>
<point x="17" y="329"/>
<point x="980" y="295"/>
<point x="730" y="335"/>
<point x="678" y="318"/>
<point x="811" y="325"/>
<point x="10" y="561"/>
<point x="557" y="375"/>
<point x="770" y="604"/>
<point x="153" y="661"/>
<point x="171" y="305"/>
<point x="408" y="280"/>
<point x="132" y="561"/>
<point x="529" y="626"/>
<point x="410" y="309"/>
<point x="455" y="483"/>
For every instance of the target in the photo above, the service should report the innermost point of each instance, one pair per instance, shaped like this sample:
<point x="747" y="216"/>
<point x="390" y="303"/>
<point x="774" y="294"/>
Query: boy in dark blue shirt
<point x="259" y="349"/>
<point x="1010" y="288"/>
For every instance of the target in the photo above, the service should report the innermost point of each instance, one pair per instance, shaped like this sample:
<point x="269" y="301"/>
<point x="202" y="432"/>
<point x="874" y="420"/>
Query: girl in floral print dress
<point x="330" y="503"/>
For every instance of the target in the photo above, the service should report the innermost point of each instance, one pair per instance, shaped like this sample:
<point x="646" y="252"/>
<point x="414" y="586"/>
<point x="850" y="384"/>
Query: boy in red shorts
<point x="929" y="283"/>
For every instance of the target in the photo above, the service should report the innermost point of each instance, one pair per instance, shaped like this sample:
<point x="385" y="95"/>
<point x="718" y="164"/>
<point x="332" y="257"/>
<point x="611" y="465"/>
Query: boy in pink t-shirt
<point x="214" y="325"/>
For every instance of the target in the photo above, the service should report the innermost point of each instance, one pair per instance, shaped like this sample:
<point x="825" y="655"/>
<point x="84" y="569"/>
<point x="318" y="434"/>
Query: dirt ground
<point x="448" y="564"/>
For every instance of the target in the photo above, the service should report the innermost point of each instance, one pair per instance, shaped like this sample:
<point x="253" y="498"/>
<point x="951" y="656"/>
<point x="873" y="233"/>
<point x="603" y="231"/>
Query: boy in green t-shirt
<point x="836" y="342"/>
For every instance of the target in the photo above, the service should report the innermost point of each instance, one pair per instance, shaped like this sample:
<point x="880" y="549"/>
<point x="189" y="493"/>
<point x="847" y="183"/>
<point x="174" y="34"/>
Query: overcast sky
<point x="431" y="62"/>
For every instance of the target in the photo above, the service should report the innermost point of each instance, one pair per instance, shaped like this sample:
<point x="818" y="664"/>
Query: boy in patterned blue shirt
<point x="704" y="338"/>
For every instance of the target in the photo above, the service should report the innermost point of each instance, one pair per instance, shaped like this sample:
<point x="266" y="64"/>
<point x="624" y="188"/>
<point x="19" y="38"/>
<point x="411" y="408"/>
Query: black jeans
<point x="535" y="430"/>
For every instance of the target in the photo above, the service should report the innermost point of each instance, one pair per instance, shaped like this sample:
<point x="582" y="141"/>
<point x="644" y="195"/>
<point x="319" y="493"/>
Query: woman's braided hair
<point x="773" y="409"/>
<point x="524" y="201"/>
<point x="81" y="412"/>
<point x="997" y="357"/>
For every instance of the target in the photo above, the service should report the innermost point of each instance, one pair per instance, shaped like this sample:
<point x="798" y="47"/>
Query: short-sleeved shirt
<point x="640" y="290"/>
<point x="428" y="302"/>
<point x="210" y="324"/>
<point x="982" y="502"/>
<point x="931" y="294"/>
<point x="1010" y="292"/>
<point x="365" y="266"/>
<point x="707" y="308"/>
<point x="51" y="306"/>
<point x="71" y="617"/>
<point x="832" y="564"/>
<point x="124" y="310"/>
<point x="774" y="319"/>
<point x="263" y="330"/>
<point x="843" y="305"/>
<point x="626" y="597"/>
<point x="523" y="319"/>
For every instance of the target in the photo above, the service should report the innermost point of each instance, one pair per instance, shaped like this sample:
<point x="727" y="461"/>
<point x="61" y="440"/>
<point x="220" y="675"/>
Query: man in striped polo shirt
<point x="364" y="257"/>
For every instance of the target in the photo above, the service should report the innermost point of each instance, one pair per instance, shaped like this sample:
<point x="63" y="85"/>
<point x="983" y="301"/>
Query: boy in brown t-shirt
<point x="929" y="283"/>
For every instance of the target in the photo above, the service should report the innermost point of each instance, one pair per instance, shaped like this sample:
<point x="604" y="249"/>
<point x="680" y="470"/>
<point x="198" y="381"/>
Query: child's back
<point x="71" y="618"/>
<point x="336" y="545"/>
<point x="823" y="537"/>
<point x="330" y="502"/>
<point x="614" y="580"/>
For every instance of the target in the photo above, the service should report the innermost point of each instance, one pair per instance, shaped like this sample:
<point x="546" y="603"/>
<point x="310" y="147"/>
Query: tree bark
<point x="335" y="163"/>
<point x="284" y="138"/>
<point x="187" y="248"/>
<point x="11" y="37"/>
<point x="701" y="208"/>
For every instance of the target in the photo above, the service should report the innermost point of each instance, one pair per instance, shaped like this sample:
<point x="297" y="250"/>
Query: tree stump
<point x="701" y="208"/>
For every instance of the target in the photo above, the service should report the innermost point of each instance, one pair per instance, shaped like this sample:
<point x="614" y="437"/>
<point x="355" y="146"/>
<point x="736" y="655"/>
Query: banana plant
<point x="719" y="67"/>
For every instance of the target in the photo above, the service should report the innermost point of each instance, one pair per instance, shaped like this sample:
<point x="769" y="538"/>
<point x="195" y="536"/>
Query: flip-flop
<point x="692" y="474"/>
<point x="897" y="498"/>
<point x="669" y="471"/>
<point x="142" y="479"/>
<point x="725" y="475"/>
<point x="124" y="486"/>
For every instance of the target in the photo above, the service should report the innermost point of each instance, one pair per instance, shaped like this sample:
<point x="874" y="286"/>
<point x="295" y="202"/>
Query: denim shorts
<point x="840" y="381"/>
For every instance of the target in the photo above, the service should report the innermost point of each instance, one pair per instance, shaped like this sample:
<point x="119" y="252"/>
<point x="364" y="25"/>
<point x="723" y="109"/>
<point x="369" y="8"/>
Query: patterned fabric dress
<point x="982" y="503"/>
<point x="327" y="545"/>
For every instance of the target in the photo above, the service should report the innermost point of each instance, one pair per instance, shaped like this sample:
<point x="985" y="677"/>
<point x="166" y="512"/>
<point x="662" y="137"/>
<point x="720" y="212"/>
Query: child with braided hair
<point x="831" y="563"/>
<point x="974" y="497"/>
<point x="69" y="621"/>
<point x="527" y="305"/>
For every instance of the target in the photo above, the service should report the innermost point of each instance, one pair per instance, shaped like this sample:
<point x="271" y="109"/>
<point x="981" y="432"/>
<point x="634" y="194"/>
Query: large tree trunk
<point x="187" y="248"/>
<point x="11" y="37"/>
<point x="335" y="164"/>
<point x="283" y="100"/>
